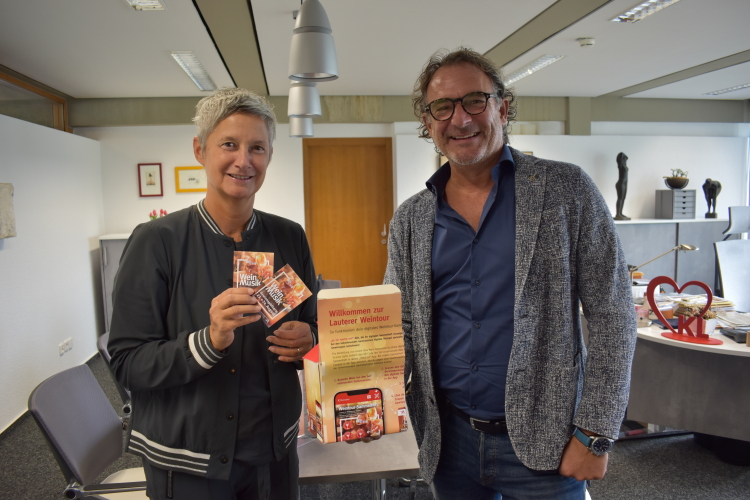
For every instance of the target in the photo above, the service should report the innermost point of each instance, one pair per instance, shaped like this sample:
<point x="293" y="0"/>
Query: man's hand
<point x="233" y="308"/>
<point x="579" y="463"/>
<point x="292" y="341"/>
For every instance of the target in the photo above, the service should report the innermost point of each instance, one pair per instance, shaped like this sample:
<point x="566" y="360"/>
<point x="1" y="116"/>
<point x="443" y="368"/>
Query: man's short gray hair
<point x="461" y="55"/>
<point x="227" y="101"/>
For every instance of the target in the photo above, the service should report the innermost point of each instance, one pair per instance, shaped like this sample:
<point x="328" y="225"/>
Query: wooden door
<point x="348" y="205"/>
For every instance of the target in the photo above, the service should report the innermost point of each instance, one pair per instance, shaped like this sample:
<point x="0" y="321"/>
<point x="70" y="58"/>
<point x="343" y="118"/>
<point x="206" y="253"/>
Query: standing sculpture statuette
<point x="711" y="189"/>
<point x="622" y="185"/>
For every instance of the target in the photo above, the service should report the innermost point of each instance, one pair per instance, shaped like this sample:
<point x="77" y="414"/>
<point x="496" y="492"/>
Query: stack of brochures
<point x="717" y="303"/>
<point x="675" y="300"/>
<point x="733" y="319"/>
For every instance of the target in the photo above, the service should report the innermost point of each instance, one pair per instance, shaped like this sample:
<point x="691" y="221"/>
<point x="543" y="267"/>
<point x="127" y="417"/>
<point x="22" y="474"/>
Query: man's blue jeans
<point x="479" y="466"/>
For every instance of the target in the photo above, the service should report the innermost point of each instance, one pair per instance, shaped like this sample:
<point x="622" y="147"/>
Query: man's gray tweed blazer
<point x="567" y="250"/>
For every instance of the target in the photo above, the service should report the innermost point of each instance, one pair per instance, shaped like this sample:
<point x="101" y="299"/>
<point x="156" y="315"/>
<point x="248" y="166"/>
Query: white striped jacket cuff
<point x="204" y="353"/>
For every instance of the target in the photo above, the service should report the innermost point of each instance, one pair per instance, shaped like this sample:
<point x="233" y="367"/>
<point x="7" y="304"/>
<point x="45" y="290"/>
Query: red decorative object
<point x="684" y="333"/>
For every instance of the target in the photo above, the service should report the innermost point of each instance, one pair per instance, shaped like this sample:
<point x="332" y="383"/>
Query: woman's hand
<point x="233" y="308"/>
<point x="292" y="340"/>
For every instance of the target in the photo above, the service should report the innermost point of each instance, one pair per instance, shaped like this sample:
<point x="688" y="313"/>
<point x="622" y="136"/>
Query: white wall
<point x="415" y="160"/>
<point x="723" y="158"/>
<point x="718" y="151"/>
<point x="649" y="160"/>
<point x="49" y="272"/>
<point x="122" y="148"/>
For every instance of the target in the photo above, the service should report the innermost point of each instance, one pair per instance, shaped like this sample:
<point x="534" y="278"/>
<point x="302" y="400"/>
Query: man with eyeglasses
<point x="492" y="260"/>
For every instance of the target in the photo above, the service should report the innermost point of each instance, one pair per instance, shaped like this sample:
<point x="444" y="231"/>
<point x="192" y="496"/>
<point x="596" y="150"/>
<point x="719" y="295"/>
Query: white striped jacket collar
<point x="211" y="223"/>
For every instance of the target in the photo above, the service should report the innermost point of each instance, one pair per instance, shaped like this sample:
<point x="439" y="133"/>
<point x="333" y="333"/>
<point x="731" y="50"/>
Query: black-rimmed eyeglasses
<point x="474" y="104"/>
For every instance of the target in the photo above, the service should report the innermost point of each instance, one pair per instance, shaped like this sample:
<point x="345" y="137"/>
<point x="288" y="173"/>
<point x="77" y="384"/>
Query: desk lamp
<point x="683" y="247"/>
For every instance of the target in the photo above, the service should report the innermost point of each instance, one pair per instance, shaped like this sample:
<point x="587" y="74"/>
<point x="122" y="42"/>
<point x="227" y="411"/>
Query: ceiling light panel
<point x="143" y="5"/>
<point x="194" y="70"/>
<point x="643" y="10"/>
<point x="533" y="67"/>
<point x="730" y="89"/>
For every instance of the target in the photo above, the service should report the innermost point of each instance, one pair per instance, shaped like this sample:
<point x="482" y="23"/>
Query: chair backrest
<point x="733" y="257"/>
<point x="79" y="423"/>
<point x="101" y="344"/>
<point x="326" y="284"/>
<point x="739" y="221"/>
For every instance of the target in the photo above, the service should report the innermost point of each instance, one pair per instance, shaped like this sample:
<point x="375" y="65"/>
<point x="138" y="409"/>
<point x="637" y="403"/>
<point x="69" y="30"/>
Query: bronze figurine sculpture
<point x="711" y="189"/>
<point x="622" y="185"/>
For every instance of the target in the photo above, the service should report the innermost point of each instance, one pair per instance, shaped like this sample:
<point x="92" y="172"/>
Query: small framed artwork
<point x="149" y="179"/>
<point x="190" y="179"/>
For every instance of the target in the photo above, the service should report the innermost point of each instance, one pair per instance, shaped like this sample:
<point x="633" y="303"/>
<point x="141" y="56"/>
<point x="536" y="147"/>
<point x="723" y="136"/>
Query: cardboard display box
<point x="354" y="377"/>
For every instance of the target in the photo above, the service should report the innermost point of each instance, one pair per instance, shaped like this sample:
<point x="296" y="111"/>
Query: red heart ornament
<point x="700" y="337"/>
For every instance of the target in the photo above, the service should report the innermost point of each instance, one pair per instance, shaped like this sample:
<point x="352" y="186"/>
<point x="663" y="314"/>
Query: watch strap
<point x="598" y="445"/>
<point x="583" y="438"/>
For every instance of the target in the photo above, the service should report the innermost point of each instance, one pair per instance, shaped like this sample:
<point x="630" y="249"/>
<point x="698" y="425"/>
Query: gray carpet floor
<point x="649" y="469"/>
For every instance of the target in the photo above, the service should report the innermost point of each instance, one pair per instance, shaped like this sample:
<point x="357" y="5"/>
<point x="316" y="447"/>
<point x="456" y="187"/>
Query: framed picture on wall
<point x="149" y="179"/>
<point x="190" y="179"/>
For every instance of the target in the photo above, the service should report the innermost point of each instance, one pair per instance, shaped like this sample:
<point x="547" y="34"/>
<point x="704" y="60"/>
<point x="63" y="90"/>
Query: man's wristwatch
<point x="598" y="445"/>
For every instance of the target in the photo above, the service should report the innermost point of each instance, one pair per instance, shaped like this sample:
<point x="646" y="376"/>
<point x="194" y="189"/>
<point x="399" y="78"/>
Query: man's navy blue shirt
<point x="473" y="292"/>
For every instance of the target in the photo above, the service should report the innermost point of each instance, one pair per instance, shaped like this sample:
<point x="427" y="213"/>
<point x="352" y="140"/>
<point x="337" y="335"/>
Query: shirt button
<point x="228" y="243"/>
<point x="473" y="407"/>
<point x="476" y="240"/>
<point x="230" y="416"/>
<point x="478" y="326"/>
<point x="477" y="282"/>
<point x="232" y="371"/>
<point x="223" y="460"/>
<point x="475" y="368"/>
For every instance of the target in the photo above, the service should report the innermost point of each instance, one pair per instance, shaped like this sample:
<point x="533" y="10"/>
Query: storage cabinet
<point x="675" y="204"/>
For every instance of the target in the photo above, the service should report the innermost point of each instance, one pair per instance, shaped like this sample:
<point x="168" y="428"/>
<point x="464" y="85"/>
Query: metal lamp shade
<point x="300" y="126"/>
<point x="312" y="57"/>
<point x="304" y="100"/>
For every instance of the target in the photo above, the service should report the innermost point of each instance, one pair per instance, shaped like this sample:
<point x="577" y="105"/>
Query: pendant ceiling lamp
<point x="304" y="100"/>
<point x="300" y="126"/>
<point x="312" y="57"/>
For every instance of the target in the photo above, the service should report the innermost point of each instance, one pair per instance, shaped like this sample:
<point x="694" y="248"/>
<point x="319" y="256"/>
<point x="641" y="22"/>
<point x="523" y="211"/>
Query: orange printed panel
<point x="359" y="365"/>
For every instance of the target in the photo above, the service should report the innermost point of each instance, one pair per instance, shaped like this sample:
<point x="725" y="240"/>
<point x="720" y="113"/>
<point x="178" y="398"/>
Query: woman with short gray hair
<point x="216" y="398"/>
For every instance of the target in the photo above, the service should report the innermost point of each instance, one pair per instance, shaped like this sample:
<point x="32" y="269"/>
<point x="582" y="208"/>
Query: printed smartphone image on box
<point x="359" y="415"/>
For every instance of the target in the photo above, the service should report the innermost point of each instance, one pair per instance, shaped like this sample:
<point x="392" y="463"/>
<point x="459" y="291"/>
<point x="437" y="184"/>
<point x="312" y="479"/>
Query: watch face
<point x="601" y="445"/>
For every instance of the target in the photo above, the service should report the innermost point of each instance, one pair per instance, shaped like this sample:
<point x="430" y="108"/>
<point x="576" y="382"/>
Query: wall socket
<point x="65" y="346"/>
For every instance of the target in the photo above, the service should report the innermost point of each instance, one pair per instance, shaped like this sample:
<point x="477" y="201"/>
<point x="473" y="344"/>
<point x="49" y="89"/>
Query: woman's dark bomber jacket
<point x="185" y="393"/>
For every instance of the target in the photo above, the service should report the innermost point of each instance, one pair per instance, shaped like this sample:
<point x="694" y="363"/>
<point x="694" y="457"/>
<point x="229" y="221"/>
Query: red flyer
<point x="280" y="294"/>
<point x="251" y="269"/>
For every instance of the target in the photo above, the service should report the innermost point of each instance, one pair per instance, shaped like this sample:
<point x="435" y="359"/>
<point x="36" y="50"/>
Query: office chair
<point x="326" y="284"/>
<point x="101" y="344"/>
<point x="732" y="257"/>
<point x="85" y="436"/>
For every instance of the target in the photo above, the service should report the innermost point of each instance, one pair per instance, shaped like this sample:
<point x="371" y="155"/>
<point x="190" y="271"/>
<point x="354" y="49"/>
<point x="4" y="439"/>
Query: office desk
<point x="696" y="387"/>
<point x="393" y="455"/>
